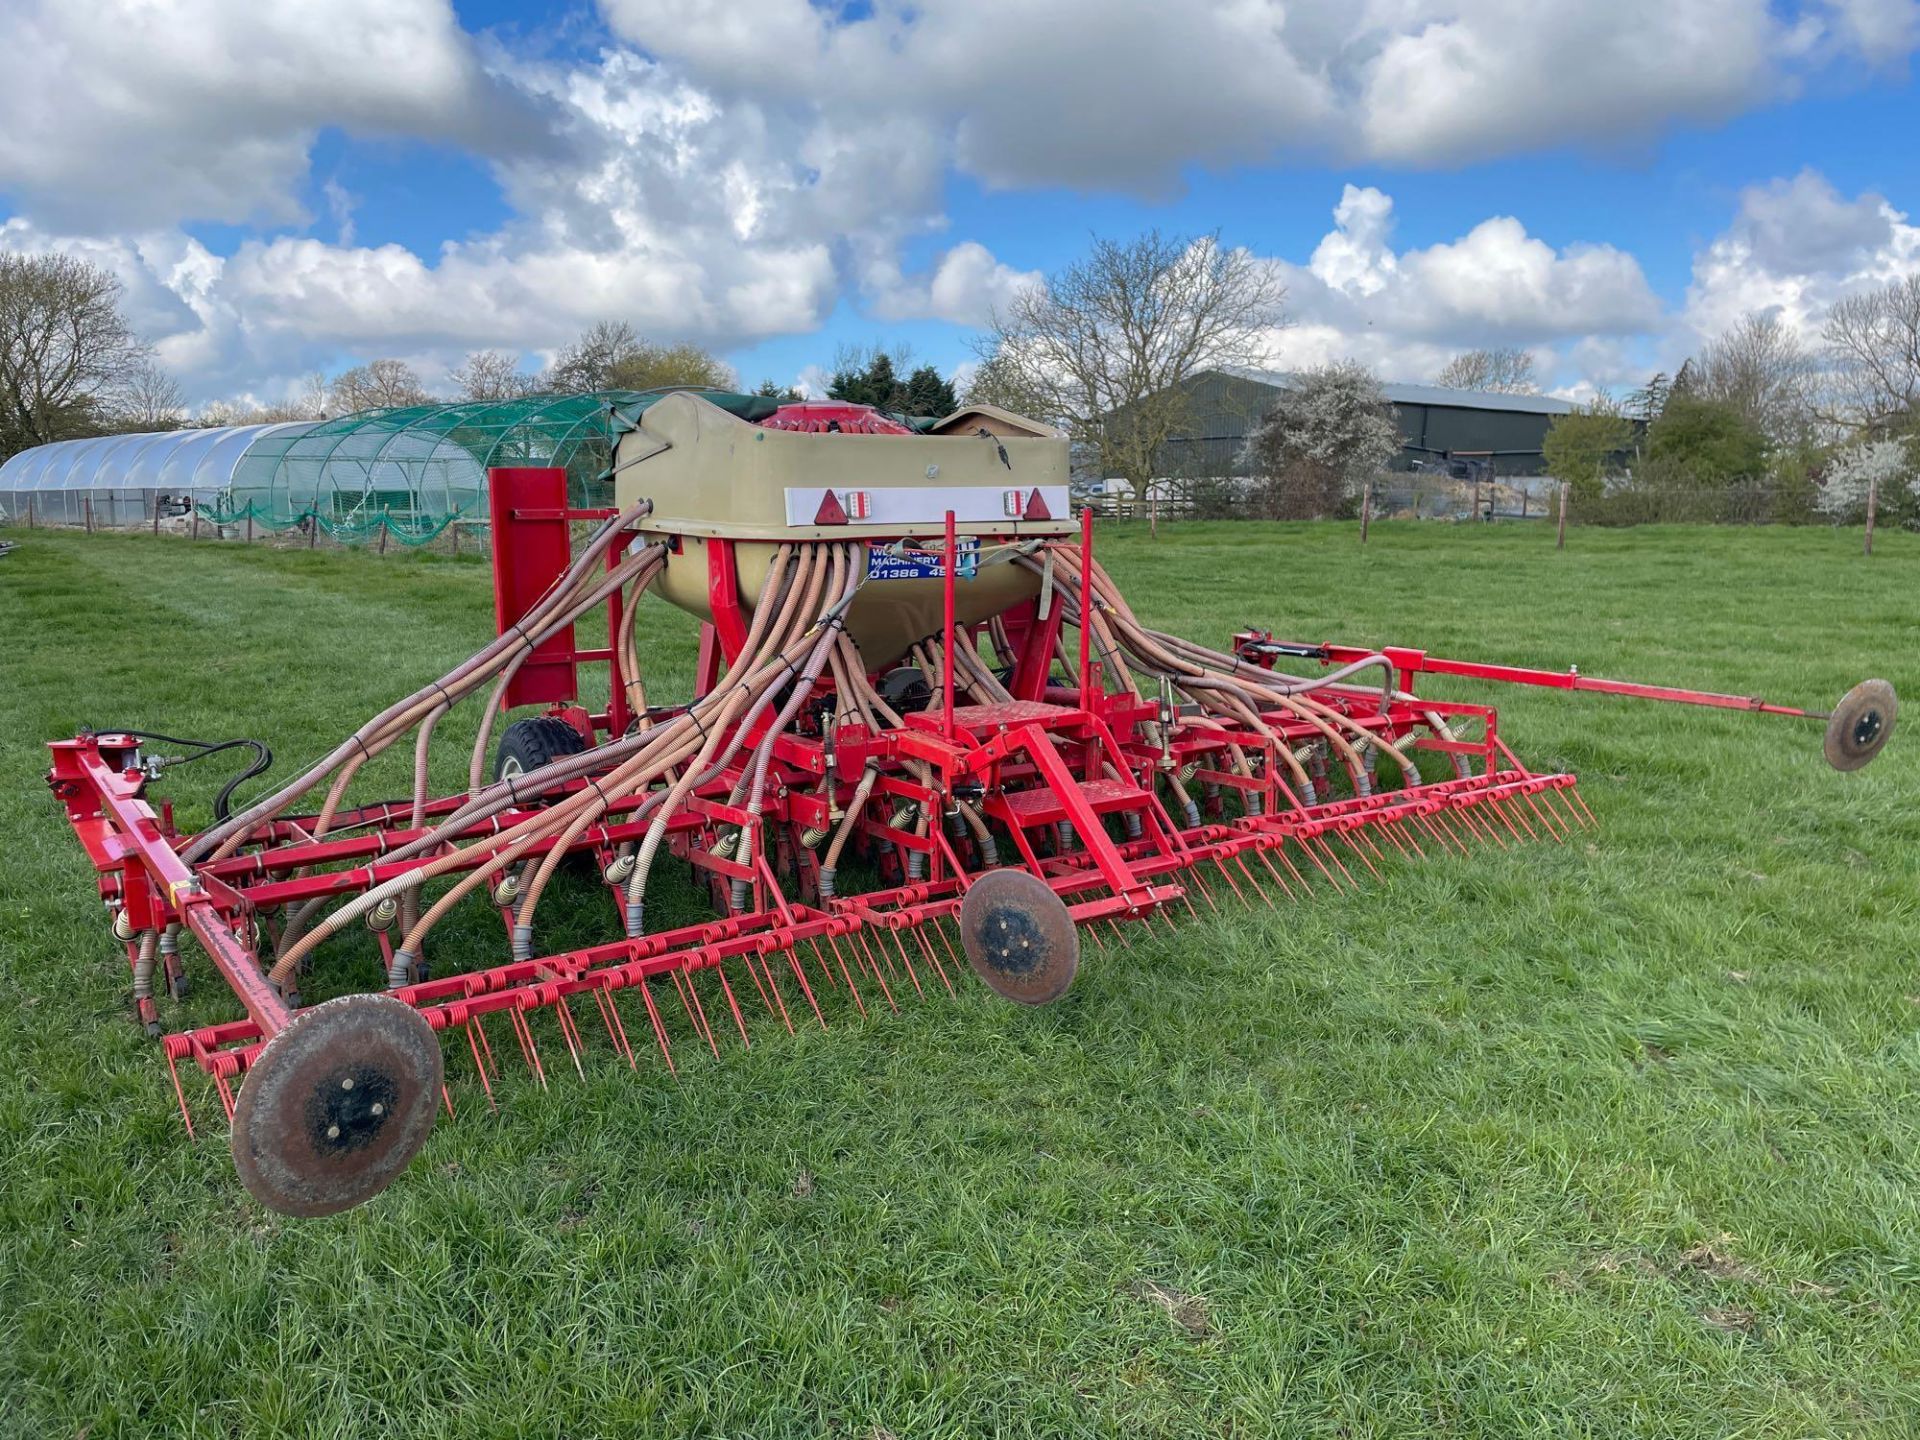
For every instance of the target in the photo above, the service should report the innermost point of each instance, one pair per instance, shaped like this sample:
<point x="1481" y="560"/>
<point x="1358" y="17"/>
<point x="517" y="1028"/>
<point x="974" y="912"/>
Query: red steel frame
<point x="1063" y="770"/>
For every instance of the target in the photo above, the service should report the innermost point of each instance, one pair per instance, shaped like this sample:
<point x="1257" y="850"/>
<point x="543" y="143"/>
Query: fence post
<point x="156" y="512"/>
<point x="30" y="512"/>
<point x="455" y="527"/>
<point x="1366" y="509"/>
<point x="249" y="524"/>
<point x="313" y="529"/>
<point x="1873" y="499"/>
<point x="86" y="507"/>
<point x="383" y="535"/>
<point x="193" y="527"/>
<point x="1560" y="540"/>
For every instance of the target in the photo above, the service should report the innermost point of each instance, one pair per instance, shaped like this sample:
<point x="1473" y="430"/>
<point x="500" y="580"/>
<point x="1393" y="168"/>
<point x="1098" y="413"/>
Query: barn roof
<point x="1401" y="393"/>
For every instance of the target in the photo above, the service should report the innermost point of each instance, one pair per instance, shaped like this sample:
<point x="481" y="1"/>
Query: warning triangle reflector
<point x="1036" y="507"/>
<point x="831" y="511"/>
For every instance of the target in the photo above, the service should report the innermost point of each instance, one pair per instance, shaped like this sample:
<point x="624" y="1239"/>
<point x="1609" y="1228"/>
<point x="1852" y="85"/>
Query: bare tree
<point x="1506" y="370"/>
<point x="64" y="348"/>
<point x="308" y="401"/>
<point x="375" y="384"/>
<point x="1873" y="340"/>
<point x="1760" y="369"/>
<point x="148" y="398"/>
<point x="490" y="375"/>
<point x="1106" y="347"/>
<point x="611" y="356"/>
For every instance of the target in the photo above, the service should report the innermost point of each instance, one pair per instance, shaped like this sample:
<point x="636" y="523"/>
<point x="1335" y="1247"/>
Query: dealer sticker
<point x="907" y="563"/>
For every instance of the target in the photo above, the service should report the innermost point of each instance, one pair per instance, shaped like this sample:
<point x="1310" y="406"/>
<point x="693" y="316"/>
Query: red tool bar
<point x="1414" y="662"/>
<point x="1086" y="606"/>
<point x="946" y="589"/>
<point x="135" y="821"/>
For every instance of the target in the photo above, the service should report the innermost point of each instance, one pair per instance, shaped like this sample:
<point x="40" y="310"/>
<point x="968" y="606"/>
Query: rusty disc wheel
<point x="1019" y="937"/>
<point x="336" y="1104"/>
<point x="1860" y="724"/>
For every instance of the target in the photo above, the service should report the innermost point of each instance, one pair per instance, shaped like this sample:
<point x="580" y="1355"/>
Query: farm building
<point x="1436" y="424"/>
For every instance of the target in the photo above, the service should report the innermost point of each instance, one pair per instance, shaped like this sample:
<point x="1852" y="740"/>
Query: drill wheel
<point x="336" y="1104"/>
<point x="1019" y="937"/>
<point x="1860" y="724"/>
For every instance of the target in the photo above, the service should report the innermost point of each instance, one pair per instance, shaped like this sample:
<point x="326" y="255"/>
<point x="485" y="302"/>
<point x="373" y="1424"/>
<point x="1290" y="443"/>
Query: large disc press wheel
<point x="1019" y="937"/>
<point x="336" y="1104"/>
<point x="1860" y="724"/>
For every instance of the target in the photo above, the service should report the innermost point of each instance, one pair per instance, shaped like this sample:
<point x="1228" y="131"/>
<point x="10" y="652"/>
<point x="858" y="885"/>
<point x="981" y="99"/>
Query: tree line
<point x="1762" y="425"/>
<point x="72" y="366"/>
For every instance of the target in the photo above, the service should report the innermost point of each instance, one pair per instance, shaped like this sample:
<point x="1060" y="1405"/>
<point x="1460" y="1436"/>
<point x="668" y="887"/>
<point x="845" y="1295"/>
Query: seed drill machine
<point x="929" y="739"/>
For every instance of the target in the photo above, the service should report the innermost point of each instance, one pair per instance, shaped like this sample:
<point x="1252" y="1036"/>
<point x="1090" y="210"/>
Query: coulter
<point x="928" y="736"/>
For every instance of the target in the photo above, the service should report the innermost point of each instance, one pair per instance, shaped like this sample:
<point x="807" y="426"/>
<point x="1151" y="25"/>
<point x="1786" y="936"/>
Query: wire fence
<point x="333" y="526"/>
<point x="1496" y="499"/>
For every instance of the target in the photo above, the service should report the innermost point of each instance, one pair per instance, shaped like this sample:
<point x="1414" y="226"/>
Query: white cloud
<point x="724" y="175"/>
<point x="1794" y="247"/>
<point x="1407" y="312"/>
<point x="966" y="286"/>
<point x="132" y="113"/>
<point x="1091" y="94"/>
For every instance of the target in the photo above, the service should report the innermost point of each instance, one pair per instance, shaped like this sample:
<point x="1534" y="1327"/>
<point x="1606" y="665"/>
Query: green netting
<point x="351" y="530"/>
<point x="413" y="470"/>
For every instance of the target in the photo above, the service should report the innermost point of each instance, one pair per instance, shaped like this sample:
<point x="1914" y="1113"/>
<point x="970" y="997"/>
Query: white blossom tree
<point x="1328" y="434"/>
<point x="1868" y="467"/>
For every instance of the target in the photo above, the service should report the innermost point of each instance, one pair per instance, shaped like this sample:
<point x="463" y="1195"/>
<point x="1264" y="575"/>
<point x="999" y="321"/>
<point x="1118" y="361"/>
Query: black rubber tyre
<point x="538" y="740"/>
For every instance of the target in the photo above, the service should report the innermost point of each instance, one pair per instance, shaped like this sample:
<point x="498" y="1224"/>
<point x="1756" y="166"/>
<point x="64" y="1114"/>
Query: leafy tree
<point x="1328" y="433"/>
<point x="610" y="356"/>
<point x="65" y="349"/>
<point x="1647" y="403"/>
<point x="1585" y="447"/>
<point x="998" y="382"/>
<point x="929" y="393"/>
<point x="1706" y="443"/>
<point x="876" y="382"/>
<point x="1506" y="370"/>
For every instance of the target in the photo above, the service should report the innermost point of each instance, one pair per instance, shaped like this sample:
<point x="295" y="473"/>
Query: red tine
<point x="739" y="1021"/>
<point x="847" y="975"/>
<point x="480" y="1065"/>
<point x="528" y="1050"/>
<point x="179" y="1093"/>
<point x="659" y="1030"/>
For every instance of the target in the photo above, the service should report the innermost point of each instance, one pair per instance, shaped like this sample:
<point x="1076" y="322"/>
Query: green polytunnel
<point x="415" y="469"/>
<point x="410" y="470"/>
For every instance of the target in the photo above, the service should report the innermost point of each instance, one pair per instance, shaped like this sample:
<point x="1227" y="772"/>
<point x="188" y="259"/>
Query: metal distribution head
<point x="928" y="733"/>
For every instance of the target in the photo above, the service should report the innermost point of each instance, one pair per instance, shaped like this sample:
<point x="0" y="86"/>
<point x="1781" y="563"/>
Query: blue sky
<point x="284" y="187"/>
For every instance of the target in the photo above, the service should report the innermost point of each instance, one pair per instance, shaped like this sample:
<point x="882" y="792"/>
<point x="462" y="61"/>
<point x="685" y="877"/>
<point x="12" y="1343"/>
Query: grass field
<point x="1617" y="1138"/>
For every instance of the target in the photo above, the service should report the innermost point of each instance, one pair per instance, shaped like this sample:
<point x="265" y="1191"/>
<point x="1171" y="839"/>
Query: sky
<point x="285" y="186"/>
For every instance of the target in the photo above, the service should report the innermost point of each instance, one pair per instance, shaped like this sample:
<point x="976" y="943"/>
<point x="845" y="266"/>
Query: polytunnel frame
<point x="506" y="422"/>
<point x="114" y="480"/>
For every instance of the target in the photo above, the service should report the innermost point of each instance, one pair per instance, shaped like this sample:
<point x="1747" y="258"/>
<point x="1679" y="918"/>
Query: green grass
<point x="1616" y="1138"/>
